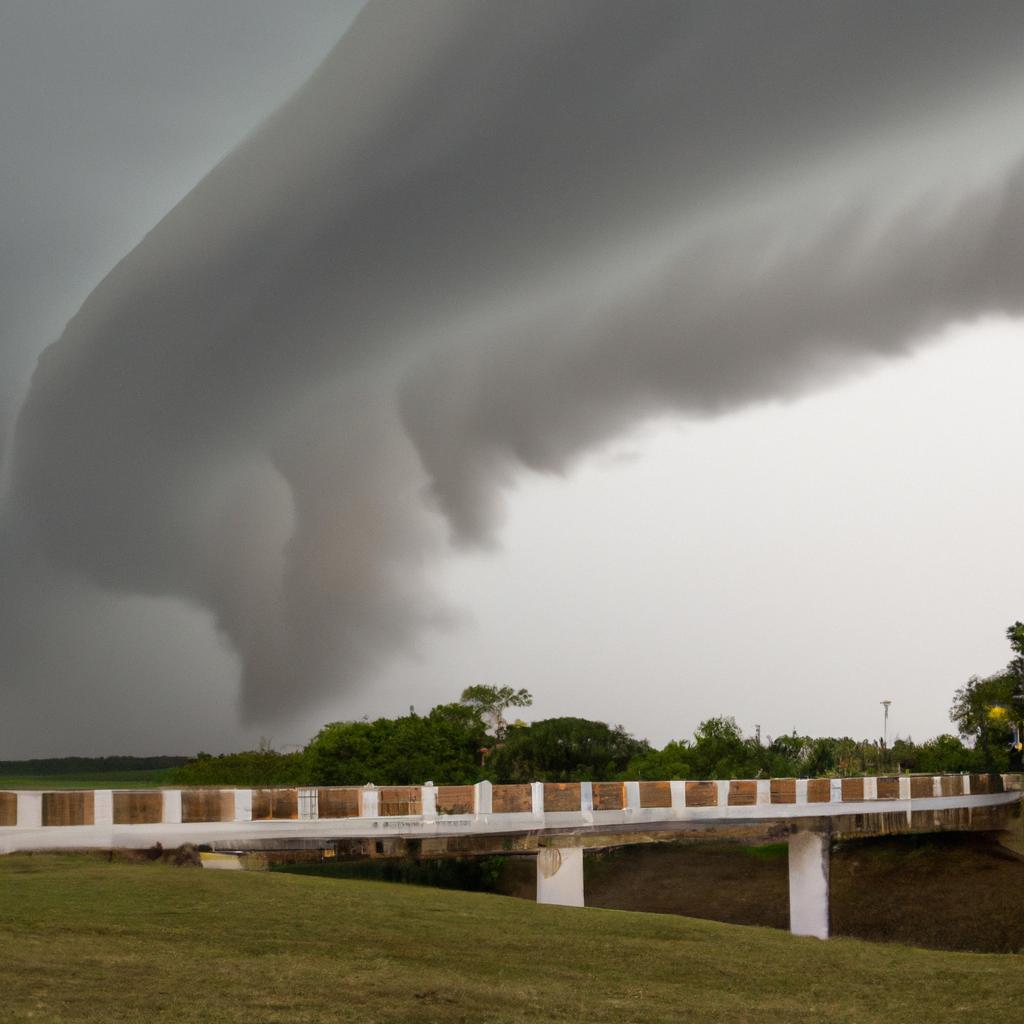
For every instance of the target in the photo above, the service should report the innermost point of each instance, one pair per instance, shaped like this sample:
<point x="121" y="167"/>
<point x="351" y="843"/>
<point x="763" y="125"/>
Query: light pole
<point x="885" y="724"/>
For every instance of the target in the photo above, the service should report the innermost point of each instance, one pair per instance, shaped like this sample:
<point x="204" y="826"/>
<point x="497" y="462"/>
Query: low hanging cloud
<point x="482" y="239"/>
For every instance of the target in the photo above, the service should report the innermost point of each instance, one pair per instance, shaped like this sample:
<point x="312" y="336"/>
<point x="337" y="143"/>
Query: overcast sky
<point x="663" y="359"/>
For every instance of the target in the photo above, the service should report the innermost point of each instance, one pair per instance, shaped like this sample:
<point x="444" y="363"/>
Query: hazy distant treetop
<point x="491" y="702"/>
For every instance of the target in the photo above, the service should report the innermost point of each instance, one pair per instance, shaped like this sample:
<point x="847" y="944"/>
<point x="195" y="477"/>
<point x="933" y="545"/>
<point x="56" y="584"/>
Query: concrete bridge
<point x="555" y="822"/>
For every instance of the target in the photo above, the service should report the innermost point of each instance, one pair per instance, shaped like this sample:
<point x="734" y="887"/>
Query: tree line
<point x="471" y="740"/>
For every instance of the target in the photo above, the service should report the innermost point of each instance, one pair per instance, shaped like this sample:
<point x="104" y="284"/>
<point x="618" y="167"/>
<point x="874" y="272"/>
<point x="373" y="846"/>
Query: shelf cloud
<point x="481" y="240"/>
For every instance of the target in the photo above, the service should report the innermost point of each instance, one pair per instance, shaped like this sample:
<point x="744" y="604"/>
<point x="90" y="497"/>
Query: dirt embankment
<point x="949" y="891"/>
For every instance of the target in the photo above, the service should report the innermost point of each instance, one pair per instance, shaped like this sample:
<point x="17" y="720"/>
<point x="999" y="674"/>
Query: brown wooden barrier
<point x="271" y="804"/>
<point x="783" y="791"/>
<point x="853" y="789"/>
<point x="8" y="809"/>
<point x="701" y="794"/>
<point x="135" y="808"/>
<point x="207" y="805"/>
<point x="396" y="801"/>
<point x="819" y="791"/>
<point x="921" y="786"/>
<point x="456" y="799"/>
<point x="562" y="796"/>
<point x="986" y="784"/>
<point x="655" y="794"/>
<point x="952" y="785"/>
<point x="888" y="788"/>
<point x="742" y="793"/>
<point x="69" y="808"/>
<point x="511" y="799"/>
<point x="337" y="803"/>
<point x="609" y="796"/>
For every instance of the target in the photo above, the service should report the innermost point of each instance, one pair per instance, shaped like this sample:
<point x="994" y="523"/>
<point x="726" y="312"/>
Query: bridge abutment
<point x="808" y="884"/>
<point x="560" y="876"/>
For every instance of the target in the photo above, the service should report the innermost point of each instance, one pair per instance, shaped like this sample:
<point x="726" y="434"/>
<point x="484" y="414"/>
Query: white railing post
<point x="369" y="801"/>
<point x="587" y="801"/>
<point x="632" y="797"/>
<point x="483" y="798"/>
<point x="801" y="791"/>
<point x="428" y="801"/>
<point x="30" y="810"/>
<point x="172" y="807"/>
<point x="243" y="805"/>
<point x="537" y="799"/>
<point x="871" y="789"/>
<point x="764" y="792"/>
<point x="103" y="807"/>
<point x="677" y="789"/>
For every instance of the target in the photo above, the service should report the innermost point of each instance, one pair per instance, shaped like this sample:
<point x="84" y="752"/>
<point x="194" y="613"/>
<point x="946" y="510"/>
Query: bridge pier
<point x="560" y="876"/>
<point x="808" y="884"/>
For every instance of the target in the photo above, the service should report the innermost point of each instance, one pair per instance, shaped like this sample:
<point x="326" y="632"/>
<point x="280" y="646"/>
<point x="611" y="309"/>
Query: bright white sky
<point x="791" y="565"/>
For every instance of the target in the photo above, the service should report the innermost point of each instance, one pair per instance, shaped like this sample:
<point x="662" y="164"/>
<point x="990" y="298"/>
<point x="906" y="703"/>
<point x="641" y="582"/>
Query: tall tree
<point x="491" y="703"/>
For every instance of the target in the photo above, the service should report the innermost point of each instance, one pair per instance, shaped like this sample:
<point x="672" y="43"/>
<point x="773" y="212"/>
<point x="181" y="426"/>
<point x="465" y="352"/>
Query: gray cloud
<point x="482" y="238"/>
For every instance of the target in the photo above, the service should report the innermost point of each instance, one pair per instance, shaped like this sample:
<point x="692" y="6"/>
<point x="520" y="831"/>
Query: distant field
<point x="87" y="780"/>
<point x="83" y="940"/>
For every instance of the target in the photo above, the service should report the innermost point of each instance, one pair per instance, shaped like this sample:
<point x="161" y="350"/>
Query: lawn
<point x="89" y="780"/>
<point x="82" y="939"/>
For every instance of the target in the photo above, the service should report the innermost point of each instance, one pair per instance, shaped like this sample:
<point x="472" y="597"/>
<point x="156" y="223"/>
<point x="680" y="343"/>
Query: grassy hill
<point x="82" y="939"/>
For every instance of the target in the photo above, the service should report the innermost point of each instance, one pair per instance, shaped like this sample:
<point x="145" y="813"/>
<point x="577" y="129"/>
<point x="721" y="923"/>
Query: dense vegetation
<point x="88" y="765"/>
<point x="470" y="740"/>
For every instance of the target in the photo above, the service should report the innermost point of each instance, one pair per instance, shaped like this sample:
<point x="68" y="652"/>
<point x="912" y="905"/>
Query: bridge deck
<point x="439" y="821"/>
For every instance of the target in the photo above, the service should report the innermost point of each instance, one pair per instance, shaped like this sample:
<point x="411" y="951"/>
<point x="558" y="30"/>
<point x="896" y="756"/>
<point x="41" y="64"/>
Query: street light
<point x="885" y="724"/>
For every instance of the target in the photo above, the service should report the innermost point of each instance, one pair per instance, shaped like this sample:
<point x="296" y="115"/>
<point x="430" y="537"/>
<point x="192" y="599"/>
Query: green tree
<point x="262" y="767"/>
<point x="491" y="703"/>
<point x="719" y="751"/>
<point x="982" y="713"/>
<point x="563" y="750"/>
<point x="442" y="747"/>
<point x="671" y="762"/>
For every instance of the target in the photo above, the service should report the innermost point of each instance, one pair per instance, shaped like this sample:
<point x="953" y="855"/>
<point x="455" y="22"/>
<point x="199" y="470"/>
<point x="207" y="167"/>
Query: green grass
<point x="86" y="940"/>
<point x="89" y="780"/>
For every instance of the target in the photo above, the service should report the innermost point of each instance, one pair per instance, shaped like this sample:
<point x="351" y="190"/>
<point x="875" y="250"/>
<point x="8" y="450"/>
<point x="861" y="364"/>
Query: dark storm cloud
<point x="484" y="237"/>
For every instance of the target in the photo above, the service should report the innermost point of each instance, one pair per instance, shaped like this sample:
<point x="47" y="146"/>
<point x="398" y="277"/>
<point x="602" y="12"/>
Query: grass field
<point x="88" y="780"/>
<point x="86" y="940"/>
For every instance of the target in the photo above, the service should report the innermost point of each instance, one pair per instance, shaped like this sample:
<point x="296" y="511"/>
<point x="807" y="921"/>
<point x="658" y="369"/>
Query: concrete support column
<point x="808" y="884"/>
<point x="30" y="810"/>
<point x="483" y="797"/>
<point x="172" y="807"/>
<point x="560" y="876"/>
<point x="103" y="807"/>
